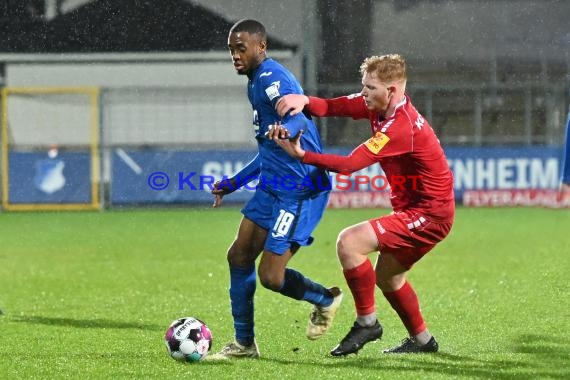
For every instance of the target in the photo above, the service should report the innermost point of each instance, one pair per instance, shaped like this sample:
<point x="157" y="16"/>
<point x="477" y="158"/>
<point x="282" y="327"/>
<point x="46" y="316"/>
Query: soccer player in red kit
<point x="405" y="146"/>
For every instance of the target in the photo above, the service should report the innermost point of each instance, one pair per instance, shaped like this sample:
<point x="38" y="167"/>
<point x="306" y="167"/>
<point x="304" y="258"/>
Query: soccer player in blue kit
<point x="288" y="203"/>
<point x="565" y="175"/>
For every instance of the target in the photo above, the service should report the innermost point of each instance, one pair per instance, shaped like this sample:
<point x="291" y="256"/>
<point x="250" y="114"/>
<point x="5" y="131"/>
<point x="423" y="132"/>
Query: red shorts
<point x="408" y="235"/>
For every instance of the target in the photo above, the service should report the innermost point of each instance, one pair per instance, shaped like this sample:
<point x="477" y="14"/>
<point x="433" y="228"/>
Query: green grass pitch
<point x="90" y="295"/>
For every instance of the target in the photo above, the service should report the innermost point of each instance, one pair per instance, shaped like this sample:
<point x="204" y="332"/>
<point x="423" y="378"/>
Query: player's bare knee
<point x="238" y="257"/>
<point x="344" y="245"/>
<point x="270" y="280"/>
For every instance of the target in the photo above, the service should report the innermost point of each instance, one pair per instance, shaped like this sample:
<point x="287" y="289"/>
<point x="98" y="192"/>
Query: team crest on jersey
<point x="273" y="90"/>
<point x="376" y="143"/>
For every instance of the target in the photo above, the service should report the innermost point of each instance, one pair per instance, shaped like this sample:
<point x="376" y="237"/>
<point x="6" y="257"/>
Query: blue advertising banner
<point x="527" y="176"/>
<point x="38" y="178"/>
<point x="170" y="177"/>
<point x="504" y="168"/>
<point x="140" y="177"/>
<point x="482" y="177"/>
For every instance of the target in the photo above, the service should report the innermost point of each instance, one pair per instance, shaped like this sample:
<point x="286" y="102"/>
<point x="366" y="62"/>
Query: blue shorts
<point x="287" y="221"/>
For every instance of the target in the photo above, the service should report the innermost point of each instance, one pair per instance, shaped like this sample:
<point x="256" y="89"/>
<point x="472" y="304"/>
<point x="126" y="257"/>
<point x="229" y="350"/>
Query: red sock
<point x="362" y="282"/>
<point x="405" y="302"/>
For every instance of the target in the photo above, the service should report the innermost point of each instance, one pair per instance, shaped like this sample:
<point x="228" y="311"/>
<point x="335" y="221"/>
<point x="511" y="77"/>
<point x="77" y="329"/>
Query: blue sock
<point x="242" y="289"/>
<point x="300" y="287"/>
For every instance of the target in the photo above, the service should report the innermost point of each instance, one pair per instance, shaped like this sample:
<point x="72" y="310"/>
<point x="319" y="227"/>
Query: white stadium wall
<point x="163" y="101"/>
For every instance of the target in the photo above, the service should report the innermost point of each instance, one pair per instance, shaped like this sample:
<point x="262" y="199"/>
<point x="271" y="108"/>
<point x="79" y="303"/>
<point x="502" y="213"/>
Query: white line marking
<point x="128" y="160"/>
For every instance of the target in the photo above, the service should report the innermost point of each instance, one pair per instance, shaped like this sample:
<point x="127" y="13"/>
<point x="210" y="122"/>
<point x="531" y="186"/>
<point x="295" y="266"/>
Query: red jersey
<point x="405" y="146"/>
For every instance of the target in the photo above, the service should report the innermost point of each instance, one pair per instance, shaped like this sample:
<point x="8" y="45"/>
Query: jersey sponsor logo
<point x="265" y="74"/>
<point x="376" y="143"/>
<point x="273" y="90"/>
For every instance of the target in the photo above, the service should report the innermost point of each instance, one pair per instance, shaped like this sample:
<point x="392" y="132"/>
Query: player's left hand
<point x="277" y="131"/>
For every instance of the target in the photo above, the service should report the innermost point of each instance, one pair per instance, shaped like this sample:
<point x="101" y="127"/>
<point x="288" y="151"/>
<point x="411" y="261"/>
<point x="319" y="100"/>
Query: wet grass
<point x="90" y="295"/>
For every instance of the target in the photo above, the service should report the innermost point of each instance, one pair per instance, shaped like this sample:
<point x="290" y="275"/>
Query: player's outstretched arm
<point x="293" y="103"/>
<point x="358" y="159"/>
<point x="228" y="185"/>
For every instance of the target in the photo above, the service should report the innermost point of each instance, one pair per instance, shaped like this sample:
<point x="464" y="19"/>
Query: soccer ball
<point x="188" y="339"/>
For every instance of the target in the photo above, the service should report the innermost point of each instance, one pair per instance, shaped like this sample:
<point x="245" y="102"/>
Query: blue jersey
<point x="279" y="173"/>
<point x="565" y="176"/>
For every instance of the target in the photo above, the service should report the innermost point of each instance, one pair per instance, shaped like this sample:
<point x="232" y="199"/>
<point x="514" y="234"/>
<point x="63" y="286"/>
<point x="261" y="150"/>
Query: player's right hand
<point x="222" y="188"/>
<point x="293" y="103"/>
<point x="292" y="146"/>
<point x="277" y="131"/>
